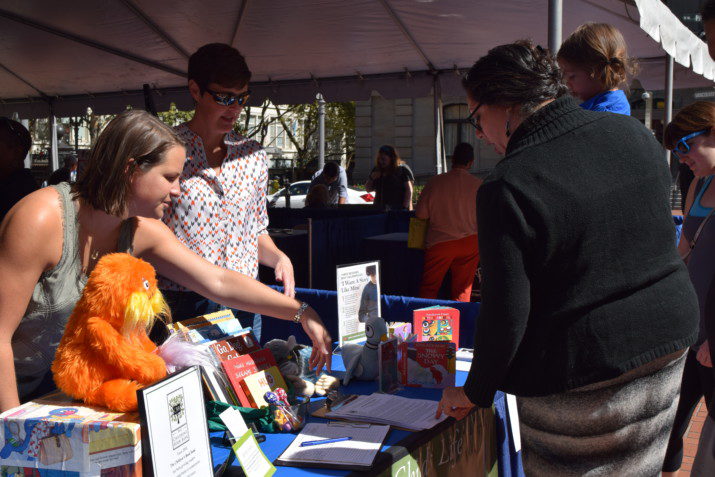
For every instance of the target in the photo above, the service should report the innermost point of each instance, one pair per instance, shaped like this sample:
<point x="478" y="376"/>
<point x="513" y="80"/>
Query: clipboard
<point x="330" y="430"/>
<point x="322" y="411"/>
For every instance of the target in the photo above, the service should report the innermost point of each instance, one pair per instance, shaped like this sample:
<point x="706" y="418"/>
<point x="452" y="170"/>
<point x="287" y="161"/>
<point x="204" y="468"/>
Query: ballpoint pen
<point x="324" y="441"/>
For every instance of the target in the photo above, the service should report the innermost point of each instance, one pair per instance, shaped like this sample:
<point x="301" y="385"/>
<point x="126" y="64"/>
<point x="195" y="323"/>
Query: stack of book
<point x="244" y="371"/>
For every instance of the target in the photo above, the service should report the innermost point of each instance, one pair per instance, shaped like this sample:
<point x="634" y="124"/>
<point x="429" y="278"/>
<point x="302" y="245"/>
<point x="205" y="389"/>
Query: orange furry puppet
<point x="105" y="355"/>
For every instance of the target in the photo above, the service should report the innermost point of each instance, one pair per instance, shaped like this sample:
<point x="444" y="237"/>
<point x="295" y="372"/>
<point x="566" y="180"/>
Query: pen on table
<point x="324" y="441"/>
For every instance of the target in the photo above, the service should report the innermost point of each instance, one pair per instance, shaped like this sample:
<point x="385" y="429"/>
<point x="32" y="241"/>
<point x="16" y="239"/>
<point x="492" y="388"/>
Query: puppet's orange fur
<point x="105" y="355"/>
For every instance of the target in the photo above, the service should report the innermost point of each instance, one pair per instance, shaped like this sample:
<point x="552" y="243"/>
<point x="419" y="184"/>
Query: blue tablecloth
<point x="509" y="462"/>
<point x="394" y="308"/>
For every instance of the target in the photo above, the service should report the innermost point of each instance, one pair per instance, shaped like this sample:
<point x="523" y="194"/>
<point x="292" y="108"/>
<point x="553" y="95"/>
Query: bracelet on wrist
<point x="298" y="317"/>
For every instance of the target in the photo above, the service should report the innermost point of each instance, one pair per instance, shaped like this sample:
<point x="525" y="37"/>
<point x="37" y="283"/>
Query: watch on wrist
<point x="298" y="317"/>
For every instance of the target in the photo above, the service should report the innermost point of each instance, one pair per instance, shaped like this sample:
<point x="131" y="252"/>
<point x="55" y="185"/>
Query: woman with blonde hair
<point x="595" y="64"/>
<point x="392" y="180"/>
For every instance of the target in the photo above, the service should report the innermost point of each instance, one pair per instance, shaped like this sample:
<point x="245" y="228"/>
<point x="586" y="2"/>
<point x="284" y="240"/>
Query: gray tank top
<point x="701" y="262"/>
<point x="53" y="299"/>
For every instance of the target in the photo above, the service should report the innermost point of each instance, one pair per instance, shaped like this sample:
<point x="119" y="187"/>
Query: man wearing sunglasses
<point x="15" y="181"/>
<point x="221" y="211"/>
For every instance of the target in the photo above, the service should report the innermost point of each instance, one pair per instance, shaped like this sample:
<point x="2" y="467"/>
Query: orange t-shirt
<point x="449" y="201"/>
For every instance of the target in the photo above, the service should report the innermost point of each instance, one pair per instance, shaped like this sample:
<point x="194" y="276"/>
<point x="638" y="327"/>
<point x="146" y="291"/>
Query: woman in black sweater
<point x="587" y="308"/>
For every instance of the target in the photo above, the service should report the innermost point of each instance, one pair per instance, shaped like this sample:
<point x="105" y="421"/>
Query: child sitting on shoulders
<point x="595" y="64"/>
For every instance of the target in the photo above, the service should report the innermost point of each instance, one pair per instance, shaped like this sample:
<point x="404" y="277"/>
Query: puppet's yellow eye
<point x="146" y="284"/>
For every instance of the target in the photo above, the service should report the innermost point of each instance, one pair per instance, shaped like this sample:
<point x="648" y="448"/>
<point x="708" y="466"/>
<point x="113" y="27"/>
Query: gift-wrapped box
<point x="57" y="433"/>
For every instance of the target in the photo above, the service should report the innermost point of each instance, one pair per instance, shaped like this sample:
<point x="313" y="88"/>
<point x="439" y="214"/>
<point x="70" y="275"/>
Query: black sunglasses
<point x="474" y="120"/>
<point x="227" y="99"/>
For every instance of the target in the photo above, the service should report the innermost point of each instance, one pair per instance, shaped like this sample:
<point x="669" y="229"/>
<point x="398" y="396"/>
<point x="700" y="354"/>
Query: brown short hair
<point x="599" y="49"/>
<point x="218" y="63"/>
<point x="699" y="116"/>
<point x="15" y="134"/>
<point x="105" y="181"/>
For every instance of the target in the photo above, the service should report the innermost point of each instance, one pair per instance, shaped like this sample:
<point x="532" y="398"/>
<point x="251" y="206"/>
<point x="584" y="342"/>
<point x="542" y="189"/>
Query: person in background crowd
<point x="595" y="64"/>
<point x="449" y="202"/>
<point x="334" y="178"/>
<point x="392" y="180"/>
<point x="15" y="181"/>
<point x="221" y="211"/>
<point x="707" y="13"/>
<point x="114" y="207"/>
<point x="591" y="338"/>
<point x="691" y="138"/>
<point x="66" y="173"/>
<point x="318" y="197"/>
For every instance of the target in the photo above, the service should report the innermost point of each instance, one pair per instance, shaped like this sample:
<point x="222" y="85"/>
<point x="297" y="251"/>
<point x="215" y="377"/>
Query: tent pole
<point x="438" y="133"/>
<point x="321" y="129"/>
<point x="54" y="151"/>
<point x="28" y="158"/>
<point x="668" y="107"/>
<point x="555" y="24"/>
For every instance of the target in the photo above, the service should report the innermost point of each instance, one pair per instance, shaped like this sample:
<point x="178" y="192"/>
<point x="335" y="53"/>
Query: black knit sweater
<point x="582" y="281"/>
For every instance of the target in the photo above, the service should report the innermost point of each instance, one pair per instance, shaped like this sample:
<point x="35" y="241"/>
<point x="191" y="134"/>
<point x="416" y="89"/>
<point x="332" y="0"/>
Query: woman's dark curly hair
<point x="518" y="74"/>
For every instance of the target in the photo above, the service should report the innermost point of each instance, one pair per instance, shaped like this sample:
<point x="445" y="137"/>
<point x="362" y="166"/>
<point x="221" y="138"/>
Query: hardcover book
<point x="427" y="364"/>
<point x="436" y="323"/>
<point x="256" y="385"/>
<point x="238" y="368"/>
<point x="388" y="375"/>
<point x="234" y="346"/>
<point x="403" y="330"/>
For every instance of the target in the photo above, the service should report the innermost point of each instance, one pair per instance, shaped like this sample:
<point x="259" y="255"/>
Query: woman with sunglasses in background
<point x="392" y="180"/>
<point x="587" y="310"/>
<point x="692" y="141"/>
<point x="221" y="211"/>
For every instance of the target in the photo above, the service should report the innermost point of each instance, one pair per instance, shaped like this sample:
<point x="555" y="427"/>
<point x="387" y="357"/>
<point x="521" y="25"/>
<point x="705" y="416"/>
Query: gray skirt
<point x="616" y="427"/>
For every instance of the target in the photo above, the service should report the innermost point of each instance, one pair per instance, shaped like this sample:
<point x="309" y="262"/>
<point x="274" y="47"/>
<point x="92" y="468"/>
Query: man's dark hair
<point x="463" y="154"/>
<point x="218" y="63"/>
<point x="371" y="270"/>
<point x="707" y="11"/>
<point x="331" y="169"/>
<point x="515" y="74"/>
<point x="15" y="134"/>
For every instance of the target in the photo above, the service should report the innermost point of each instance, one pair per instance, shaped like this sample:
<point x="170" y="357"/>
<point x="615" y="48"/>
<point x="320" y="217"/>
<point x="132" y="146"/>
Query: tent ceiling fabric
<point x="98" y="53"/>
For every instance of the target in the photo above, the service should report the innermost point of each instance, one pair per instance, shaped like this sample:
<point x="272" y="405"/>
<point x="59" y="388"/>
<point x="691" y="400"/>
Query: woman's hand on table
<point x="454" y="403"/>
<point x="284" y="275"/>
<point x="703" y="355"/>
<point x="322" y="343"/>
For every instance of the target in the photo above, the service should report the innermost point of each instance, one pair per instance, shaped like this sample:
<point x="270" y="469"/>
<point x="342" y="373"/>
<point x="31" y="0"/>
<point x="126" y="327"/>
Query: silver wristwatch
<point x="298" y="317"/>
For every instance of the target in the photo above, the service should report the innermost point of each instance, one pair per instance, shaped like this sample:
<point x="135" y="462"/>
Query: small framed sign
<point x="175" y="438"/>
<point x="358" y="299"/>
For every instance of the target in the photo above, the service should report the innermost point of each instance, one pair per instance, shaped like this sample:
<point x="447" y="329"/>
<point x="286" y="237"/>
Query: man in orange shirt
<point x="449" y="202"/>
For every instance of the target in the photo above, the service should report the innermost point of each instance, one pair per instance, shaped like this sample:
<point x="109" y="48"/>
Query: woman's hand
<point x="454" y="403"/>
<point x="703" y="355"/>
<point x="284" y="274"/>
<point x="322" y="343"/>
<point x="375" y="175"/>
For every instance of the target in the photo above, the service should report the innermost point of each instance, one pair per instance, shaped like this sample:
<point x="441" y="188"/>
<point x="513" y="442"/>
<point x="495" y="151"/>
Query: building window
<point x="457" y="129"/>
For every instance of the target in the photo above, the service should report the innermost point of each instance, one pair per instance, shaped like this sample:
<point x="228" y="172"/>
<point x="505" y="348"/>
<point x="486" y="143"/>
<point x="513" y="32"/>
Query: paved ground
<point x="692" y="436"/>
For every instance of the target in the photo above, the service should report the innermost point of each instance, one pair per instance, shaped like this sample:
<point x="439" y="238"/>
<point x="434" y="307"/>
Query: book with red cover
<point x="436" y="323"/>
<point x="241" y="366"/>
<point x="235" y="346"/>
<point x="427" y="364"/>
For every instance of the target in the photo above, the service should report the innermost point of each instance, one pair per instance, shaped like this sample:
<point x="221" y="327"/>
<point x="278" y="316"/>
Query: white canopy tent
<point x="59" y="58"/>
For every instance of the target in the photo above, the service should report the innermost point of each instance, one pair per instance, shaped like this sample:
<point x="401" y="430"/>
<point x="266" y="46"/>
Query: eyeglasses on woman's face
<point x="228" y="99"/>
<point x="473" y="119"/>
<point x="682" y="146"/>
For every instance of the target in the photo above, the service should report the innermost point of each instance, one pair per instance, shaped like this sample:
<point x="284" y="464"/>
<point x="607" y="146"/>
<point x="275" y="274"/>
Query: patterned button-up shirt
<point x="221" y="216"/>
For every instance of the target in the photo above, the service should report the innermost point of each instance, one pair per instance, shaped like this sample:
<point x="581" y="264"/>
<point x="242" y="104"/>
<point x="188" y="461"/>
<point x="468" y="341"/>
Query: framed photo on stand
<point x="175" y="439"/>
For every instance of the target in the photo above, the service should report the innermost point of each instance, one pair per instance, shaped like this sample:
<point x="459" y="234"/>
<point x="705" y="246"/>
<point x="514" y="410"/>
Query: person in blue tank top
<point x="595" y="64"/>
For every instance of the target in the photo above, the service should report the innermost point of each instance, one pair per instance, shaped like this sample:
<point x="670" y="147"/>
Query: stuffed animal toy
<point x="292" y="360"/>
<point x="105" y="355"/>
<point x="361" y="360"/>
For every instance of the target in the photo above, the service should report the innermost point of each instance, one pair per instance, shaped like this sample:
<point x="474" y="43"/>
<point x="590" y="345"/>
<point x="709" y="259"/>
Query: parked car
<point x="298" y="191"/>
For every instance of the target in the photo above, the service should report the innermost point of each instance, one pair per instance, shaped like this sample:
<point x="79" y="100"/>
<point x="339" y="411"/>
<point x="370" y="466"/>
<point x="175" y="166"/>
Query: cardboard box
<point x="57" y="433"/>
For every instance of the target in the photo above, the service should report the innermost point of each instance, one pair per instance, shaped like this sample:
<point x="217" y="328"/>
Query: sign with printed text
<point x="175" y="439"/>
<point x="358" y="299"/>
